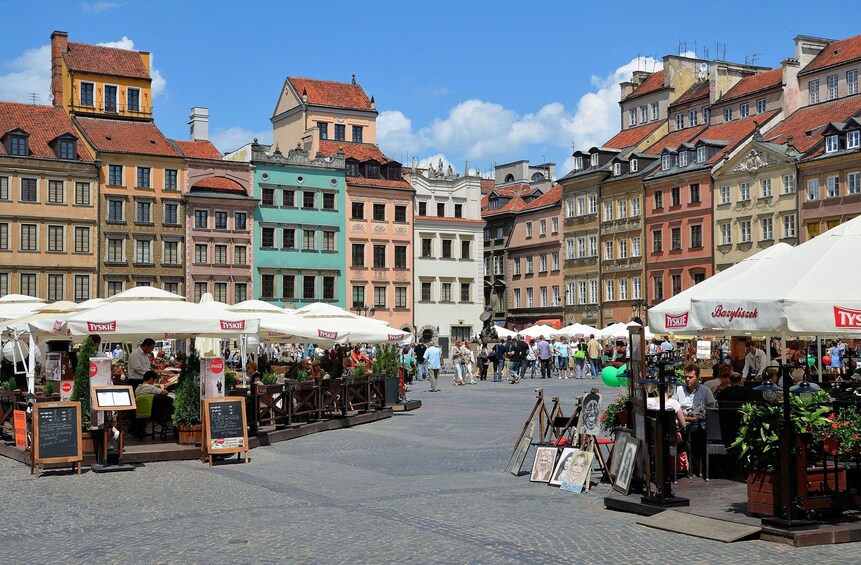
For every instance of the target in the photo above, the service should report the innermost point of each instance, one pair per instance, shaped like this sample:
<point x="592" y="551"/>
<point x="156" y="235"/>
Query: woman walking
<point x="457" y="361"/>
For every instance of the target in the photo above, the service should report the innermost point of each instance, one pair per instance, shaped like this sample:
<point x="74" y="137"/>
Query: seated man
<point x="735" y="394"/>
<point x="694" y="399"/>
<point x="162" y="404"/>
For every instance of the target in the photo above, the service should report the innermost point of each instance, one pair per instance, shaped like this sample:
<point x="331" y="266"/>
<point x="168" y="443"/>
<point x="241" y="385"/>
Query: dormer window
<point x="701" y="154"/>
<point x="578" y="163"/>
<point x="635" y="165"/>
<point x="680" y="121"/>
<point x="683" y="159"/>
<point x="351" y="168"/>
<point x="67" y="149"/>
<point x="617" y="169"/>
<point x="18" y="145"/>
<point x="853" y="139"/>
<point x="372" y="170"/>
<point x="133" y="99"/>
<point x="832" y="144"/>
<point x="594" y="160"/>
<point x="666" y="162"/>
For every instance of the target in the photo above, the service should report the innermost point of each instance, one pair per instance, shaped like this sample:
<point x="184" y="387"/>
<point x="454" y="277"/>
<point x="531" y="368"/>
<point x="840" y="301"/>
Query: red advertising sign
<point x="93" y="327"/>
<point x="679" y="321"/>
<point x="396" y="337"/>
<point x="217" y="365"/>
<point x="66" y="387"/>
<point x="327" y="335"/>
<point x="226" y="325"/>
<point x="847" y="318"/>
<point x="20" y="423"/>
<point x="94" y="369"/>
<point x="738" y="313"/>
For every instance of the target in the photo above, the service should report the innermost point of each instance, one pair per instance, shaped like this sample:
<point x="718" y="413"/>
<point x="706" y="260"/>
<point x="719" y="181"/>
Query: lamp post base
<point x="666" y="502"/>
<point x="789" y="525"/>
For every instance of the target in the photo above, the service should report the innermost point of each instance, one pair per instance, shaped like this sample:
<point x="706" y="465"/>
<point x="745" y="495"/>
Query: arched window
<point x="509" y="178"/>
<point x="537" y="176"/>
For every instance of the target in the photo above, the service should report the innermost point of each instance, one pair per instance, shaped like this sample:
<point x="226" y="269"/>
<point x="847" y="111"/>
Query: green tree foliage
<point x="186" y="404"/>
<point x="81" y="386"/>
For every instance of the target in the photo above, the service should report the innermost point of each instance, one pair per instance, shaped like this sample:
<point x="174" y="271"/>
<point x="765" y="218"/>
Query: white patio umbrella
<point x="16" y="305"/>
<point x="576" y="331"/>
<point x="674" y="314"/>
<point x="207" y="346"/>
<point x="533" y="332"/>
<point x="622" y="331"/>
<point x="271" y="316"/>
<point x="504" y="333"/>
<point x="325" y="324"/>
<point x="812" y="289"/>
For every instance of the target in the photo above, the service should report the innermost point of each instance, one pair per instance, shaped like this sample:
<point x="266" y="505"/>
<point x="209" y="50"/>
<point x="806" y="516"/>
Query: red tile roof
<point x="96" y="59"/>
<point x="122" y="136"/>
<point x="633" y="136"/>
<point x="219" y="184"/>
<point x="673" y="139"/>
<point x="653" y="82"/>
<point x="520" y="189"/>
<point x="200" y="149"/>
<point x="330" y="93"/>
<point x="549" y="198"/>
<point x="379" y="183"/>
<point x="836" y="53"/>
<point x="697" y="91"/>
<point x="452" y="220"/>
<point x="43" y="123"/>
<point x="763" y="81"/>
<point x="516" y="204"/>
<point x="487" y="185"/>
<point x="358" y="151"/>
<point x="733" y="132"/>
<point x="813" y="119"/>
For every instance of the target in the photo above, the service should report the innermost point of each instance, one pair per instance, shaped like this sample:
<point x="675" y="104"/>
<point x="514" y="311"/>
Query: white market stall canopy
<point x="533" y="332"/>
<point x="811" y="289"/>
<point x="674" y="314"/>
<point x="326" y="324"/>
<point x="504" y="333"/>
<point x="622" y="331"/>
<point x="576" y="331"/>
<point x="16" y="305"/>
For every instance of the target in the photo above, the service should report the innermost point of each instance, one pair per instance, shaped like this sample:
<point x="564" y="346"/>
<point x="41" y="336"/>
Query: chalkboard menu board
<point x="56" y="434"/>
<point x="224" y="426"/>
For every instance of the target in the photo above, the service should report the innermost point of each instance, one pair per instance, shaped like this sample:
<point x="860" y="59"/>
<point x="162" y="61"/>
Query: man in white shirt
<point x="117" y="353"/>
<point x="432" y="357"/>
<point x="666" y="346"/>
<point x="755" y="362"/>
<point x="140" y="362"/>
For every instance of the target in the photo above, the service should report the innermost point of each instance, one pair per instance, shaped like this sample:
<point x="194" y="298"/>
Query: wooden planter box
<point x="763" y="489"/>
<point x="190" y="435"/>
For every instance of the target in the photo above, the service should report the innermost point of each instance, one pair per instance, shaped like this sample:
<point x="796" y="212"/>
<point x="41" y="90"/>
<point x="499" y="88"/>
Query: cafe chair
<point x="714" y="438"/>
<point x="143" y="415"/>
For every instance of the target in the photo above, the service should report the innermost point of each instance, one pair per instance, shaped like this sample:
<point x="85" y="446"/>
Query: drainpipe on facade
<point x="98" y="228"/>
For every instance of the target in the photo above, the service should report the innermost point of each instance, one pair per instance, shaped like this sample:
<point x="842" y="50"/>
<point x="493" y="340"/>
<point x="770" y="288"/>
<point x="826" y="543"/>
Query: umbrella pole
<point x="819" y="359"/>
<point x="243" y="348"/>
<point x="31" y="366"/>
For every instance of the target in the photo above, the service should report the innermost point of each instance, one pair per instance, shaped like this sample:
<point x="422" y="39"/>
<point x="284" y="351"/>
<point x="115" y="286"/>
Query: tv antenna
<point x="34" y="98"/>
<point x="751" y="59"/>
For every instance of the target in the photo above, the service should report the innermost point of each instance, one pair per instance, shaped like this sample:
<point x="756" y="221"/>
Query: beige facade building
<point x="48" y="197"/>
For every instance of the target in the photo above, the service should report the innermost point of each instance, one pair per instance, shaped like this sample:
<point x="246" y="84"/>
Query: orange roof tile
<point x="43" y="123"/>
<point x="199" y="149"/>
<point x="487" y="185"/>
<point x="379" y="183"/>
<point x="549" y="198"/>
<point x="520" y="189"/>
<point x="219" y="184"/>
<point x="673" y="139"/>
<point x="653" y="82"/>
<point x="633" y="136"/>
<point x="96" y="59"/>
<point x="812" y="119"/>
<point x="697" y="91"/>
<point x="516" y="204"/>
<point x="331" y="93"/>
<point x="733" y="132"/>
<point x="836" y="53"/>
<point x="358" y="151"/>
<point x="122" y="136"/>
<point x="755" y="83"/>
<point x="484" y="201"/>
<point x="452" y="220"/>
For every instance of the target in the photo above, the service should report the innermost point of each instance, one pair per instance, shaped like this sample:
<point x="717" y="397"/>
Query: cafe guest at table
<point x="140" y="362"/>
<point x="694" y="399"/>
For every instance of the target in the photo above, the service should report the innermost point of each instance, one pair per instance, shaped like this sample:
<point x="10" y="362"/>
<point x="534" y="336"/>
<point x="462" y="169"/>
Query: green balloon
<point x="609" y="374"/>
<point x="811" y="360"/>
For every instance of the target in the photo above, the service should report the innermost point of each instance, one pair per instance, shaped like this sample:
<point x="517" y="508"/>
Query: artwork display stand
<point x="539" y="416"/>
<point x="637" y="395"/>
<point x="589" y="442"/>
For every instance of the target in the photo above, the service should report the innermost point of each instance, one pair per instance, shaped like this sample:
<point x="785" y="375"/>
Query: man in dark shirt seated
<point x="735" y="394"/>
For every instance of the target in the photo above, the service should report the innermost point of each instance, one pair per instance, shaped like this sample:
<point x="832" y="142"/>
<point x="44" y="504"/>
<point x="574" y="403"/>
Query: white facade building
<point x="449" y="249"/>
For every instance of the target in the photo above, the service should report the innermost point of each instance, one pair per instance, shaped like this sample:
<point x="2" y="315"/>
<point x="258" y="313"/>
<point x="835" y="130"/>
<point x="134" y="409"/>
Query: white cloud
<point x="99" y="7"/>
<point x="31" y="72"/>
<point x="480" y="130"/>
<point x="231" y="139"/>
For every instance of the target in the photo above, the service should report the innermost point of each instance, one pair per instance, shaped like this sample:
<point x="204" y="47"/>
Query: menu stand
<point x="111" y="399"/>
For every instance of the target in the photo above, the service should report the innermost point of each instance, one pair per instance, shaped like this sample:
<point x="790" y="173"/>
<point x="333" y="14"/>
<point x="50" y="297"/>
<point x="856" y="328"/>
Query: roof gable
<point x="123" y="136"/>
<point x="653" y="83"/>
<point x="697" y="91"/>
<point x="755" y="83"/>
<point x="803" y="128"/>
<point x="836" y="53"/>
<point x="198" y="149"/>
<point x="96" y="59"/>
<point x="331" y="93"/>
<point x="42" y="125"/>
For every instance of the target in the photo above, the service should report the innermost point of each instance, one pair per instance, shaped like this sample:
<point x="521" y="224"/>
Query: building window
<point x="765" y="187"/>
<point x="789" y="226"/>
<point x="760" y="106"/>
<point x="82" y="239"/>
<point x="219" y="291"/>
<point x="644" y="114"/>
<point x="357" y="211"/>
<point x="744" y="110"/>
<point x="852" y="81"/>
<point x="692" y="117"/>
<point x="240" y="292"/>
<point x="542" y="263"/>
<point x="170" y="179"/>
<point x="143" y="251"/>
<point x="707" y="115"/>
<point x="68" y="149"/>
<point x="379" y="256"/>
<point x="617" y="169"/>
<point x="4" y="188"/>
<point x="220" y="255"/>
<point x="683" y="158"/>
<point x="813" y="91"/>
<point x="56" y="192"/>
<point x="657" y="241"/>
<point x="288" y="287"/>
<point x="288" y="238"/>
<point x="340" y="132"/>
<point x="221" y="220"/>
<point x="529" y="264"/>
<point x="358" y="255"/>
<point x="358" y="297"/>
<point x="569" y="247"/>
<point x="680" y="121"/>
<point x="426" y="292"/>
<point x="610" y="290"/>
<point x="18" y="145"/>
<point x="788" y="184"/>
<point x="744" y="229"/>
<point x="267" y="238"/>
<point x="4" y="238"/>
<point x="116" y="251"/>
<point x="56" y="238"/>
<point x="632" y="117"/>
<point x="423" y="210"/>
<point x="744" y="191"/>
<point x="400" y="213"/>
<point x="379" y="212"/>
<point x="143" y="177"/>
<point x="351" y="168"/>
<point x="530" y="298"/>
<point x="427" y="248"/>
<point x="593" y="245"/>
<point x="555" y="256"/>
<point x="726" y="234"/>
<point x="400" y="256"/>
<point x="623" y="249"/>
<point x="143" y="212"/>
<point x="380" y="296"/>
<point x="832" y="144"/>
<point x="675" y="239"/>
<point x="82" y="193"/>
<point x="853" y="139"/>
<point x="171" y="213"/>
<point x="465" y="295"/>
<point x="82" y="288"/>
<point x="328" y="201"/>
<point x="695" y="193"/>
<point x="831" y="81"/>
<point x="114" y="288"/>
<point x="115" y="175"/>
<point x="608" y="250"/>
<point x="516" y="262"/>
<point x="309" y="287"/>
<point x="812" y="189"/>
<point x="86" y="89"/>
<point x="288" y="198"/>
<point x="240" y="255"/>
<point x="833" y="186"/>
<point x="727" y="114"/>
<point x="201" y="253"/>
<point x="116" y="210"/>
<point x="201" y="219"/>
<point x="267" y="197"/>
<point x="696" y="237"/>
<point x="440" y="209"/>
<point x="171" y="253"/>
<point x="324" y="130"/>
<point x="328" y="241"/>
<point x="308" y="199"/>
<point x="677" y="283"/>
<point x="853" y="183"/>
<point x="676" y="196"/>
<point x="659" y="288"/>
<point x="767" y="226"/>
<point x="655" y="111"/>
<point x="29" y="191"/>
<point x="357" y="134"/>
<point x="29" y="238"/>
<point x="133" y="99"/>
<point x="635" y="246"/>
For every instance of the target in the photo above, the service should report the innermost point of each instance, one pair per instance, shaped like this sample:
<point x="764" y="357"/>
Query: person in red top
<point x="359" y="358"/>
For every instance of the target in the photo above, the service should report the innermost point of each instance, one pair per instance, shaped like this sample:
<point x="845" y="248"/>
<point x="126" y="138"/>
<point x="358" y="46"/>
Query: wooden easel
<point x="588" y="442"/>
<point x="569" y="427"/>
<point x="538" y="415"/>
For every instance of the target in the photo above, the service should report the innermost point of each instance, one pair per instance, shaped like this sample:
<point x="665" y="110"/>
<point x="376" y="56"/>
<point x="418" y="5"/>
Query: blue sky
<point x="488" y="82"/>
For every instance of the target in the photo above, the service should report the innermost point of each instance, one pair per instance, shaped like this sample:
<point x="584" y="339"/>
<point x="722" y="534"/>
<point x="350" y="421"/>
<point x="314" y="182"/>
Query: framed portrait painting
<point x="616" y="453"/>
<point x="562" y="465"/>
<point x="542" y="467"/>
<point x="579" y="473"/>
<point x="627" y="464"/>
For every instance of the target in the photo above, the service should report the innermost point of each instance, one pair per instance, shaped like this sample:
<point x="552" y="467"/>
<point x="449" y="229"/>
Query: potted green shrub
<point x="186" y="402"/>
<point x="48" y="389"/>
<point x="81" y="391"/>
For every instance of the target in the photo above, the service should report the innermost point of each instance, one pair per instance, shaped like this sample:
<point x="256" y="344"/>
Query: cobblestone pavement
<point x="423" y="487"/>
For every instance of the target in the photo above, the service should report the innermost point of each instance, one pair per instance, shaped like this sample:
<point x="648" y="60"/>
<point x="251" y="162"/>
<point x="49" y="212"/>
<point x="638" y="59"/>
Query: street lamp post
<point x="364" y="310"/>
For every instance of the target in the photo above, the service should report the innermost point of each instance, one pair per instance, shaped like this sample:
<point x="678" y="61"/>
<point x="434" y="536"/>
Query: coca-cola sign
<point x="396" y="337"/>
<point x="93" y="327"/>
<point x="678" y="321"/>
<point x="323" y="334"/>
<point x="94" y="369"/>
<point x="736" y="314"/>
<point x="217" y="365"/>
<point x="66" y="387"/>
<point x="235" y="326"/>
<point x="846" y="317"/>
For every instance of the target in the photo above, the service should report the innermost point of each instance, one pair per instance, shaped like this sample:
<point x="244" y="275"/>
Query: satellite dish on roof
<point x="704" y="69"/>
<point x="50" y="98"/>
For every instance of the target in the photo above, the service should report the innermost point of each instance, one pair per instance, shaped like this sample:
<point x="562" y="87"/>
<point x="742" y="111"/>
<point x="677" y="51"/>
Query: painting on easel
<point x="590" y="415"/>
<point x="579" y="473"/>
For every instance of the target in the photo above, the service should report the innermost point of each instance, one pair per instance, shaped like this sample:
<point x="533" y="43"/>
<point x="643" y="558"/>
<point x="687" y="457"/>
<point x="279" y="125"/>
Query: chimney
<point x="199" y="123"/>
<point x="59" y="46"/>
